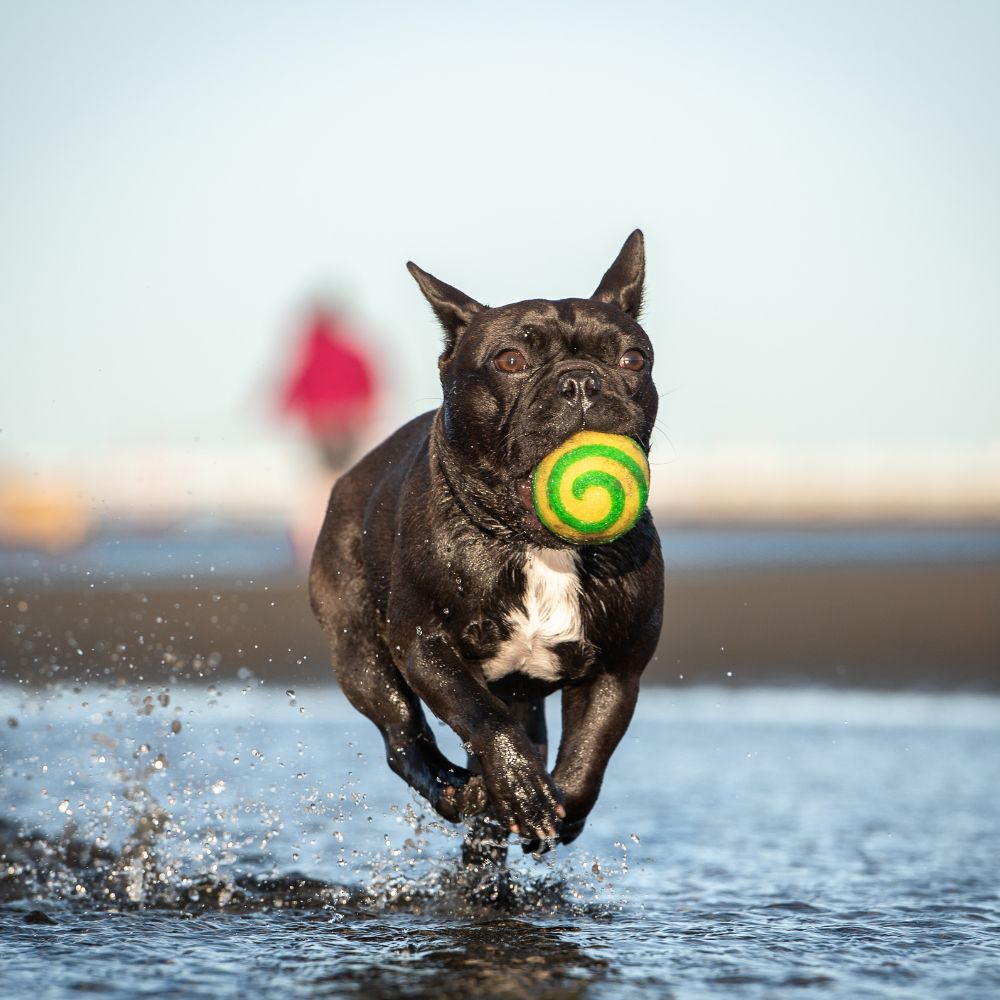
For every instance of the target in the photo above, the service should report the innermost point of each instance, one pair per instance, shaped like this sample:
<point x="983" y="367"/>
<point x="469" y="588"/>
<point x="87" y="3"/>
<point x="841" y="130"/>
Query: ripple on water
<point x="780" y="847"/>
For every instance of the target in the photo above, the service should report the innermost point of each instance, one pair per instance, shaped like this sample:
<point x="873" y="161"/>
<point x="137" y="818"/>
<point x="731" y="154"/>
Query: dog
<point x="437" y="584"/>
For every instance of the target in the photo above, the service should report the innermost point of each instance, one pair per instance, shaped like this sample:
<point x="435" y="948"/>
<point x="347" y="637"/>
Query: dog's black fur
<point x="422" y="557"/>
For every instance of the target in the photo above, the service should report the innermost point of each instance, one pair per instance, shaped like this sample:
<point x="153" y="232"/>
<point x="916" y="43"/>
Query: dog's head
<point x="520" y="379"/>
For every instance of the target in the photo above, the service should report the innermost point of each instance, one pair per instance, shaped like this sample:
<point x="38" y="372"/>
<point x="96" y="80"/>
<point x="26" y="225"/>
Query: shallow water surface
<point x="756" y="843"/>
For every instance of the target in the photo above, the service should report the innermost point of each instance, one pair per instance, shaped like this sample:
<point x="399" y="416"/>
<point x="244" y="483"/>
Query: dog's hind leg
<point x="485" y="844"/>
<point x="372" y="684"/>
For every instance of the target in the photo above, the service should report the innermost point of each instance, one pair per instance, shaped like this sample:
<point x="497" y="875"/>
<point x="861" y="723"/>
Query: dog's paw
<point x="455" y="802"/>
<point x="571" y="829"/>
<point x="568" y="832"/>
<point x="526" y="801"/>
<point x="446" y="803"/>
<point x="538" y="847"/>
<point x="473" y="798"/>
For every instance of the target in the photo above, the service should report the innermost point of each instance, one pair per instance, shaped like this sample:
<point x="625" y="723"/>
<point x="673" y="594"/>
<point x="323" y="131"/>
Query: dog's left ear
<point x="453" y="308"/>
<point x="622" y="284"/>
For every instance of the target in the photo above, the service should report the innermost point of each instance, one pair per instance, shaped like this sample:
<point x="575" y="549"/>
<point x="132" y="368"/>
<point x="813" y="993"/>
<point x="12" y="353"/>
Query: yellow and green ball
<point x="592" y="488"/>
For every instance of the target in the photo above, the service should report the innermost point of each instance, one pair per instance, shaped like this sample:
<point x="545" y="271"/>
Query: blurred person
<point x="331" y="388"/>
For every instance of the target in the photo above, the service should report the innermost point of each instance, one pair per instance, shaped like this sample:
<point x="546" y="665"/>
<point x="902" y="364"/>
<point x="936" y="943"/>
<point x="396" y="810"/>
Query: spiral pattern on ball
<point x="592" y="488"/>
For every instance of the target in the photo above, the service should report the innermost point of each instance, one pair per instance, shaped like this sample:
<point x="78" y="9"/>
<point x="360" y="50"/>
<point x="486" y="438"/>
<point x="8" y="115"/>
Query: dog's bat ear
<point x="622" y="284"/>
<point x="453" y="308"/>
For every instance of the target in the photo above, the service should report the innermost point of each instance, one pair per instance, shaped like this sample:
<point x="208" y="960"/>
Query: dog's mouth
<point x="524" y="492"/>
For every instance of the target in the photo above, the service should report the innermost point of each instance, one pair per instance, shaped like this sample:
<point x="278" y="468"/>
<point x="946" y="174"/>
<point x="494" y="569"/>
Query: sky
<point x="819" y="185"/>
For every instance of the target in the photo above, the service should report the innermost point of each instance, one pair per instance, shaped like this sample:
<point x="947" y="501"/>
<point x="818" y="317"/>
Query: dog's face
<point x="520" y="379"/>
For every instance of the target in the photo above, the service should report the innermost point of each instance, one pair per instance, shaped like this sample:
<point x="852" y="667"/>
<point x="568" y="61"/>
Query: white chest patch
<point x="549" y="614"/>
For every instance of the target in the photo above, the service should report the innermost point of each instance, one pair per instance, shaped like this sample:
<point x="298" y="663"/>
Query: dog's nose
<point x="580" y="386"/>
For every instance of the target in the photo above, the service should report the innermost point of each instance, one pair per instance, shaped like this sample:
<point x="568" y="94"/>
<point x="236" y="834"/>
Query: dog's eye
<point x="509" y="361"/>
<point x="634" y="360"/>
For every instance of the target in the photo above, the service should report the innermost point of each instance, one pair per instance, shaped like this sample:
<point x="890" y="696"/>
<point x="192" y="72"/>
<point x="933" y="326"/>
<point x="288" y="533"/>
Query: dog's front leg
<point x="524" y="796"/>
<point x="596" y="713"/>
<point x="376" y="689"/>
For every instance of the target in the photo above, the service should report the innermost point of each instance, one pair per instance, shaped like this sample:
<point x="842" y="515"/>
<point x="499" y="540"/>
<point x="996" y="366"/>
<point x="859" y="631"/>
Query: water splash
<point x="195" y="799"/>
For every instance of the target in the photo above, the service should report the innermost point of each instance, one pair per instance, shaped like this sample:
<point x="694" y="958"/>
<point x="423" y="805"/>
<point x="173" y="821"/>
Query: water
<point x="210" y="842"/>
<point x="223" y="552"/>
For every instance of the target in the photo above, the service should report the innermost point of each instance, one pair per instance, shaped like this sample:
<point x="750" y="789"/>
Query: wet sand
<point x="935" y="625"/>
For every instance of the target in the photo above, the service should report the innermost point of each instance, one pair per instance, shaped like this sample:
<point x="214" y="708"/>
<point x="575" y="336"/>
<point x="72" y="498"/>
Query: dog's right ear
<point x="453" y="308"/>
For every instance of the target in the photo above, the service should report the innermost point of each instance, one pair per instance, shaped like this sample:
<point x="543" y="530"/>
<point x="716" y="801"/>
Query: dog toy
<point x="592" y="488"/>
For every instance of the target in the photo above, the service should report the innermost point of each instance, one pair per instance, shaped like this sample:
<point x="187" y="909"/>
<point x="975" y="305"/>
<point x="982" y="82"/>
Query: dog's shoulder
<point x="622" y="591"/>
<point x="391" y="459"/>
<point x="363" y="500"/>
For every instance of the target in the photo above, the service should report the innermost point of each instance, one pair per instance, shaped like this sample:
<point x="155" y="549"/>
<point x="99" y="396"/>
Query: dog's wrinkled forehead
<point x="577" y="326"/>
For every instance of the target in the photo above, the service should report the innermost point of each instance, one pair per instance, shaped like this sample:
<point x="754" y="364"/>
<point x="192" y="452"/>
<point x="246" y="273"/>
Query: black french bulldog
<point x="436" y="582"/>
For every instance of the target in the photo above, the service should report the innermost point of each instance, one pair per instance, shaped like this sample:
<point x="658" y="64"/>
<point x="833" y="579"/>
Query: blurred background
<point x="204" y="216"/>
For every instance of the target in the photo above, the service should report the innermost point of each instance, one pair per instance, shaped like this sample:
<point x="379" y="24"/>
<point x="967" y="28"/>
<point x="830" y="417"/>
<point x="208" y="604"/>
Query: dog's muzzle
<point x="580" y="387"/>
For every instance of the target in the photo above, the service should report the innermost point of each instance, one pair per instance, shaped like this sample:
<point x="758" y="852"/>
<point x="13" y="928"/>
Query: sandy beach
<point x="934" y="624"/>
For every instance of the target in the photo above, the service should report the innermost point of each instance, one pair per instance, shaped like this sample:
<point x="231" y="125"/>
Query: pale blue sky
<point x="819" y="185"/>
